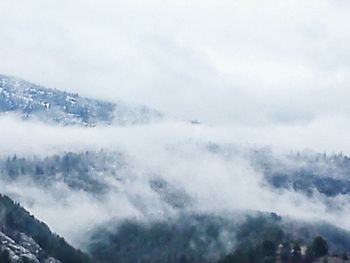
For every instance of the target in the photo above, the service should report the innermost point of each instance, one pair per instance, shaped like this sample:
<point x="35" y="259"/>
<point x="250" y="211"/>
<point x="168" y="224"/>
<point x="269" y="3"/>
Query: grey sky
<point x="226" y="61"/>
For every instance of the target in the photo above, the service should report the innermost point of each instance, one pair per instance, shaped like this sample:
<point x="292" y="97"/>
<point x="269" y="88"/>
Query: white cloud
<point x="176" y="152"/>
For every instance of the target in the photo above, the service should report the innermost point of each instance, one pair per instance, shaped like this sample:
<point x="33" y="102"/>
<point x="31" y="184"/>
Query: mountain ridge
<point x="31" y="100"/>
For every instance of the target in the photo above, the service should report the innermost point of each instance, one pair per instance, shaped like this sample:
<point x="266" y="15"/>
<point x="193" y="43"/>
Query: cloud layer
<point x="176" y="152"/>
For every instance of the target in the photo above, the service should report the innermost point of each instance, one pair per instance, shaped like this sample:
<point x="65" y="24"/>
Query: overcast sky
<point x="219" y="61"/>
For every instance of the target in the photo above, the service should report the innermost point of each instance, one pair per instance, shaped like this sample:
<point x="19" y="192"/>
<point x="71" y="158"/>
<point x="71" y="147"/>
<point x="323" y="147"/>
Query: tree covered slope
<point x="25" y="239"/>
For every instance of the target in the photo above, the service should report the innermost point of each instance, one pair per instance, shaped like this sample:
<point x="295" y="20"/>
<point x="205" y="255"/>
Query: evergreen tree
<point x="320" y="247"/>
<point x="296" y="253"/>
<point x="5" y="257"/>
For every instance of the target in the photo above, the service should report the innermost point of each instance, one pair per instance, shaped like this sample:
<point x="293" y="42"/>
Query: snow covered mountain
<point x="33" y="101"/>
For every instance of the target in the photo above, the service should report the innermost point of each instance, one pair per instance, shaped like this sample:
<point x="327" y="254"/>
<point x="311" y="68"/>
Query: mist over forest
<point x="162" y="131"/>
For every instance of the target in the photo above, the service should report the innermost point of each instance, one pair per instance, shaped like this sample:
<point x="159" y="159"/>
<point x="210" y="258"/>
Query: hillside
<point x="25" y="239"/>
<point x="32" y="101"/>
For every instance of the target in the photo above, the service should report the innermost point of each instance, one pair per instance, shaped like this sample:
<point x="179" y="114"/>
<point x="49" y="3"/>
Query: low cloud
<point x="176" y="152"/>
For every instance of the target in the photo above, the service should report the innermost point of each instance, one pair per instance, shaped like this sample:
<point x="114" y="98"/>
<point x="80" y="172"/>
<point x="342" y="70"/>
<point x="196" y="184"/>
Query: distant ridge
<point x="32" y="101"/>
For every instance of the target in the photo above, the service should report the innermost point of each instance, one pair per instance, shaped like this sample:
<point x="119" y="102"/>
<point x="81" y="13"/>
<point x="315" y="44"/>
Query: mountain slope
<point x="25" y="239"/>
<point x="54" y="106"/>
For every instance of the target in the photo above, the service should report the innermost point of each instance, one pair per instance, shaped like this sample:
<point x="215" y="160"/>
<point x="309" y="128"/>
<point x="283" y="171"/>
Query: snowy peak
<point x="54" y="106"/>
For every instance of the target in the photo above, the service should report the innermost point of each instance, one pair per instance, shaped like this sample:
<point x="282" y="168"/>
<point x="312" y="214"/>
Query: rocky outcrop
<point x="24" y="249"/>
